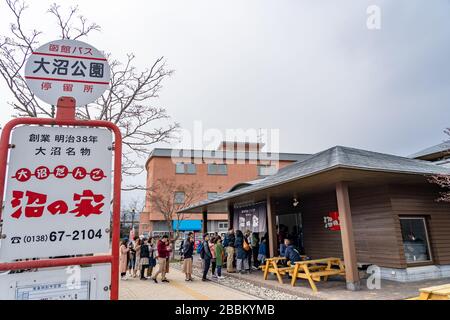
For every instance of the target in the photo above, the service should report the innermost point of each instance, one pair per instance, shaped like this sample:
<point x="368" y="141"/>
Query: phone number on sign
<point x="58" y="236"/>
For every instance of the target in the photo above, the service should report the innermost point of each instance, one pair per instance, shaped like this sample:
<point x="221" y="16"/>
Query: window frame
<point x="211" y="192"/>
<point x="216" y="172"/>
<point x="185" y="166"/>
<point x="175" y="197"/>
<point x="222" y="222"/>
<point x="427" y="236"/>
<point x="259" y="166"/>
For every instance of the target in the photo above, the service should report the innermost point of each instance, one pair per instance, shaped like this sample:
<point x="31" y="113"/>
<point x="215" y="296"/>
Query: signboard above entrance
<point x="67" y="68"/>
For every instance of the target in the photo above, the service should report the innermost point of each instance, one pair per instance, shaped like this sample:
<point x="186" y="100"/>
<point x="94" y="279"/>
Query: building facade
<point x="366" y="207"/>
<point x="216" y="171"/>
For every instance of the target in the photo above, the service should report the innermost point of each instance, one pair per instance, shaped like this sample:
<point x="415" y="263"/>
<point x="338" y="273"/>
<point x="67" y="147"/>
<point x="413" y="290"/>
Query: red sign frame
<point x="65" y="116"/>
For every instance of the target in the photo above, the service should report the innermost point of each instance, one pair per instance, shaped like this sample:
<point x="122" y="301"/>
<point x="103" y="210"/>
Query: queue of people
<point x="244" y="251"/>
<point x="139" y="257"/>
<point x="212" y="254"/>
<point x="237" y="252"/>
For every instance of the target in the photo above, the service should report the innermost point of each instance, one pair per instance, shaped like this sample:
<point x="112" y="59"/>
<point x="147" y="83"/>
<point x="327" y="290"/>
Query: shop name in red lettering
<point x="29" y="204"/>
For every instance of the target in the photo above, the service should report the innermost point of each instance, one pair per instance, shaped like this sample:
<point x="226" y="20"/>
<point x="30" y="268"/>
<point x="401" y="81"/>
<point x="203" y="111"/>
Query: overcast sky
<point x="311" y="69"/>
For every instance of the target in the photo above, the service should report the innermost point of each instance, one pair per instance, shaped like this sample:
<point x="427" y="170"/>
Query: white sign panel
<point x="67" y="68"/>
<point x="71" y="283"/>
<point x="58" y="193"/>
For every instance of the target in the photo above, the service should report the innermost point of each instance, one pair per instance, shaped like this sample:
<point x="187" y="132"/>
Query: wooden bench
<point x="441" y="292"/>
<point x="317" y="270"/>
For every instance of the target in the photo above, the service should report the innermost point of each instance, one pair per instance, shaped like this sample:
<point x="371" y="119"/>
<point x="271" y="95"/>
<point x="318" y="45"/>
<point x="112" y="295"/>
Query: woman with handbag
<point x="241" y="253"/>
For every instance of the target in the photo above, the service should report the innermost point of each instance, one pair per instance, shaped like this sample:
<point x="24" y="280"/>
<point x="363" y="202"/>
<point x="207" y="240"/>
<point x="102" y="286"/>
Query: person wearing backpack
<point x="291" y="254"/>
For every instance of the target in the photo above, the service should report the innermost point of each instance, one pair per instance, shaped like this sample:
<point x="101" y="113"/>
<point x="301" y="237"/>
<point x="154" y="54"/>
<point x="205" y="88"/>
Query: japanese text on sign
<point x="59" y="183"/>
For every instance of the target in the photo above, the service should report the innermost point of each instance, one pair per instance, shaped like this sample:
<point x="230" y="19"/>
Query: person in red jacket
<point x="164" y="250"/>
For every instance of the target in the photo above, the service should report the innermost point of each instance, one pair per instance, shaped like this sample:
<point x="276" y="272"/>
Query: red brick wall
<point x="164" y="168"/>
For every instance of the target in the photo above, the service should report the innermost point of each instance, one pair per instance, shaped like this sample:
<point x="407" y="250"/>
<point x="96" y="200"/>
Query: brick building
<point x="216" y="171"/>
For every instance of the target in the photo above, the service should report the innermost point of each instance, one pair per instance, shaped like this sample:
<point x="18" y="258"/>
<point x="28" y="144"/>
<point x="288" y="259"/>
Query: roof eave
<point x="338" y="166"/>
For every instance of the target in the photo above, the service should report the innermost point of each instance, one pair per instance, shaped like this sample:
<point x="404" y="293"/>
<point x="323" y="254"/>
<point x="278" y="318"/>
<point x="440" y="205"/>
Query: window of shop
<point x="415" y="239"/>
<point x="217" y="169"/>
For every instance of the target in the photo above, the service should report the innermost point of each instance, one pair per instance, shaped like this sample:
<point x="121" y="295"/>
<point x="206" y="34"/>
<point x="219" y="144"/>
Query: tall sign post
<point x="59" y="176"/>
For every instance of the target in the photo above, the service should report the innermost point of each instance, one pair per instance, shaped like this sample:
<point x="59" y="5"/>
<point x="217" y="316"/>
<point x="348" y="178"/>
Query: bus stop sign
<point x="67" y="68"/>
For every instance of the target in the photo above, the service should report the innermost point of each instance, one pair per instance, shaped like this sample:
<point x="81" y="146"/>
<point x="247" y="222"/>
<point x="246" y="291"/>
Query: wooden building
<point x="368" y="208"/>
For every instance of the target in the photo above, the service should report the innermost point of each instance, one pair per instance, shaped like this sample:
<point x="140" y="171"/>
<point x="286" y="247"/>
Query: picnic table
<point x="317" y="270"/>
<point x="441" y="292"/>
<point x="271" y="266"/>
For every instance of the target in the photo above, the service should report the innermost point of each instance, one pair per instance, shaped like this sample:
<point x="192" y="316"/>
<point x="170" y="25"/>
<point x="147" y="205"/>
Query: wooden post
<point x="272" y="229"/>
<point x="205" y="221"/>
<point x="348" y="242"/>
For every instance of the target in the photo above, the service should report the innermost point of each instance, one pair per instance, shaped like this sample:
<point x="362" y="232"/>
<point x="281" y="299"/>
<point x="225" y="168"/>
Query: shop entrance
<point x="290" y="225"/>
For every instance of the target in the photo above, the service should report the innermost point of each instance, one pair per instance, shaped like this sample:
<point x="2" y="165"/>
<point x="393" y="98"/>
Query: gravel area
<point x="245" y="286"/>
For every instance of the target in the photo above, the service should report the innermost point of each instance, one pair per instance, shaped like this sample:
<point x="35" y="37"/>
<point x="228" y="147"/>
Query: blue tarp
<point x="187" y="225"/>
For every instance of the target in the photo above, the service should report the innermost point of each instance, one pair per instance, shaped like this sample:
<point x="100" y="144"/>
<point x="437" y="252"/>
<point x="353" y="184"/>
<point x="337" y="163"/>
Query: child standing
<point x="220" y="255"/>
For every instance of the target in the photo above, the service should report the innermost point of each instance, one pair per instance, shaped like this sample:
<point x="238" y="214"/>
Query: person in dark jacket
<point x="248" y="240"/>
<point x="188" y="251"/>
<point x="291" y="254"/>
<point x="206" y="255"/>
<point x="255" y="249"/>
<point x="241" y="254"/>
<point x="144" y="258"/>
<point x="229" y="244"/>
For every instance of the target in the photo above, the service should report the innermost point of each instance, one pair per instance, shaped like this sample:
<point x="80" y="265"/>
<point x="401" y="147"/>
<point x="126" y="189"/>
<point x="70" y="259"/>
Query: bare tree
<point x="128" y="103"/>
<point x="168" y="198"/>
<point x="442" y="180"/>
<point x="129" y="215"/>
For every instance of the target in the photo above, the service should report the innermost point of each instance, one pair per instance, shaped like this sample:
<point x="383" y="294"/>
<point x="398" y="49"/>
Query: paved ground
<point x="334" y="288"/>
<point x="178" y="289"/>
<point x="252" y="286"/>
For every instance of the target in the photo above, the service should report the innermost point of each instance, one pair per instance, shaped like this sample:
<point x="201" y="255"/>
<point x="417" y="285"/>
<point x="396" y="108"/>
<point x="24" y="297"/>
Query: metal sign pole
<point x="65" y="116"/>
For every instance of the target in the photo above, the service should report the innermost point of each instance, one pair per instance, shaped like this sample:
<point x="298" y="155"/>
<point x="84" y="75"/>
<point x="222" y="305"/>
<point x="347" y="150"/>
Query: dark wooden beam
<point x="272" y="229"/>
<point x="205" y="221"/>
<point x="230" y="216"/>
